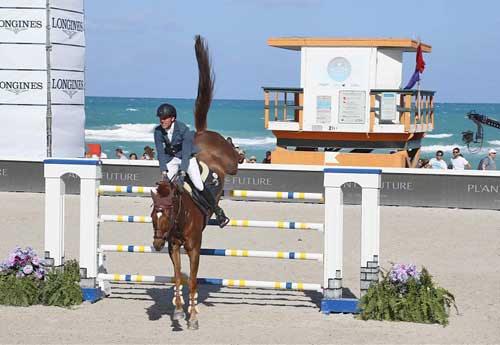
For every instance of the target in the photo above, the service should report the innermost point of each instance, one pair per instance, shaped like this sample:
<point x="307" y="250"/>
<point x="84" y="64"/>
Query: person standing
<point x="175" y="148"/>
<point x="119" y="154"/>
<point x="458" y="162"/>
<point x="438" y="162"/>
<point x="267" y="160"/>
<point x="488" y="162"/>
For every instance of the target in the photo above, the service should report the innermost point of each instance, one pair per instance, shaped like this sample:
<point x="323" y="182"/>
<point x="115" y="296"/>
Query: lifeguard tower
<point x="350" y="108"/>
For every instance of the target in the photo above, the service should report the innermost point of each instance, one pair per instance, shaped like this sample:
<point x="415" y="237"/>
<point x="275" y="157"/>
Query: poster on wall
<point x="352" y="107"/>
<point x="323" y="109"/>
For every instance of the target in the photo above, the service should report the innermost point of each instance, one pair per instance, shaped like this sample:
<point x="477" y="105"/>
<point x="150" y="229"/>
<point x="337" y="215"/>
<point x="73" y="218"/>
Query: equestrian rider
<point x="175" y="147"/>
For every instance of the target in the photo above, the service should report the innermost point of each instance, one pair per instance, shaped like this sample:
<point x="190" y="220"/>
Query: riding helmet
<point x="167" y="110"/>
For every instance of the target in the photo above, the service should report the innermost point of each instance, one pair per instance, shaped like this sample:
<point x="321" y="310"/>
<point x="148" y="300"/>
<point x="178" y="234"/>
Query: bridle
<point x="167" y="203"/>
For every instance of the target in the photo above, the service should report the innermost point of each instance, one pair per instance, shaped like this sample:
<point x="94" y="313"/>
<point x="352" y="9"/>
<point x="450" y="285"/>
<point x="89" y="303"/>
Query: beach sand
<point x="459" y="247"/>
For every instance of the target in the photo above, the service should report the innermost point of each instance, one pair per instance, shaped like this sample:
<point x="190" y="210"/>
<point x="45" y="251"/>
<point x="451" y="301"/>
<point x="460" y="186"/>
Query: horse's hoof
<point x="178" y="315"/>
<point x="193" y="325"/>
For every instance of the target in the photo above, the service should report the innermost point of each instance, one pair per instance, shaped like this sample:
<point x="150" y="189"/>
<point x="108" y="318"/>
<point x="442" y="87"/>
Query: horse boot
<point x="219" y="213"/>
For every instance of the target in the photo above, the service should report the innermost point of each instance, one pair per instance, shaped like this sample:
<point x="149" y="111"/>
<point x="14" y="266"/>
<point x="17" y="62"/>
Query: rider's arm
<point x="162" y="157"/>
<point x="187" y="147"/>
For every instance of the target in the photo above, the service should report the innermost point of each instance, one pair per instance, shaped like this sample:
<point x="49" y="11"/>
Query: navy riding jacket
<point x="182" y="145"/>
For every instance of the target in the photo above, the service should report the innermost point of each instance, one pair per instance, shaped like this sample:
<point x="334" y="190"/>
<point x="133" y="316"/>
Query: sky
<point x="146" y="48"/>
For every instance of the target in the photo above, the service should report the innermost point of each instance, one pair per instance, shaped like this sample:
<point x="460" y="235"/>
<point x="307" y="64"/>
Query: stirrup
<point x="222" y="220"/>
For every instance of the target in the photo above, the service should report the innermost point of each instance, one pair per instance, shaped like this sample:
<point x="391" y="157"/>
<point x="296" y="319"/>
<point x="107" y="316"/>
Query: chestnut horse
<point x="176" y="219"/>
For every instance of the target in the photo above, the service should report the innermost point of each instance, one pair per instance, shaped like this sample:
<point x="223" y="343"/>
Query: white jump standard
<point x="370" y="181"/>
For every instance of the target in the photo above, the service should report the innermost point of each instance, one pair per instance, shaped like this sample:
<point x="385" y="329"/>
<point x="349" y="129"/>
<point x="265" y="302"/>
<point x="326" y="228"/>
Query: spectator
<point x="458" y="162"/>
<point x="267" y="160"/>
<point x="119" y="154"/>
<point x="488" y="162"/>
<point x="242" y="155"/>
<point x="149" y="153"/>
<point x="438" y="162"/>
<point x="132" y="156"/>
<point x="252" y="159"/>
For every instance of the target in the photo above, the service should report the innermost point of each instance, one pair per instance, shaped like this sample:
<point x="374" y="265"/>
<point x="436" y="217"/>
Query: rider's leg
<point x="194" y="175"/>
<point x="173" y="167"/>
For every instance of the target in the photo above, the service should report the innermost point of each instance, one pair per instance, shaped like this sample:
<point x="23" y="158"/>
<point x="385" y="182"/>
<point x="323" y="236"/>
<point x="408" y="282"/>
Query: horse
<point x="175" y="217"/>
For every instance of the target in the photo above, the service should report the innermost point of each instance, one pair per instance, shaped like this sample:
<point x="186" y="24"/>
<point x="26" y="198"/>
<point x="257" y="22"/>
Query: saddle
<point x="212" y="183"/>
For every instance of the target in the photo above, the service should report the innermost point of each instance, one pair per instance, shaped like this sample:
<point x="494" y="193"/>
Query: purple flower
<point x="39" y="274"/>
<point x="35" y="260"/>
<point x="28" y="269"/>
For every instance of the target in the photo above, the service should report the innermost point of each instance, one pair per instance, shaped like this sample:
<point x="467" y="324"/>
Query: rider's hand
<point x="180" y="178"/>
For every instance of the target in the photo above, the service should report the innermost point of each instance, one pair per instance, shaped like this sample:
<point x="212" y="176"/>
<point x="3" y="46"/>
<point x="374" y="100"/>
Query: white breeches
<point x="193" y="171"/>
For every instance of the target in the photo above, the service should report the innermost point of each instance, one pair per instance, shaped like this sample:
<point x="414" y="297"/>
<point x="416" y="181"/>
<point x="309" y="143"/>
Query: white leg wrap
<point x="178" y="293"/>
<point x="193" y="303"/>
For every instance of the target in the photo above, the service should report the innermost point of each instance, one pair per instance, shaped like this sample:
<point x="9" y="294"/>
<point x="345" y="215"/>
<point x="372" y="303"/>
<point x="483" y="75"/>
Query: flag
<point x="419" y="68"/>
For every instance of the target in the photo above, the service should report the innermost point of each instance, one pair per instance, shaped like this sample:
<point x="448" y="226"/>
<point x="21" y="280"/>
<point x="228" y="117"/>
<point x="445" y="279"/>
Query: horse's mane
<point x="205" y="84"/>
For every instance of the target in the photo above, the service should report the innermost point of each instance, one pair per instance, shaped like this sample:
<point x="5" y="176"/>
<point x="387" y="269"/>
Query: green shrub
<point x="60" y="287"/>
<point x="417" y="299"/>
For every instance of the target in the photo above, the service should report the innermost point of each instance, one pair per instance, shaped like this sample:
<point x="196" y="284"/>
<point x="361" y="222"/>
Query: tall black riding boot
<point x="219" y="213"/>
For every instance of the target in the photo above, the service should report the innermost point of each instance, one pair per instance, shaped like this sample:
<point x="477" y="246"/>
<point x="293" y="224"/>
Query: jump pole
<point x="370" y="182"/>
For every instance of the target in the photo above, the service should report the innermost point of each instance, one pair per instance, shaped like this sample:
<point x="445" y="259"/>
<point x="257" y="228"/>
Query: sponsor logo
<point x="18" y="25"/>
<point x="4" y="172"/>
<point x="246" y="181"/>
<point x="119" y="176"/>
<point x="69" y="26"/>
<point x="68" y="86"/>
<point x="483" y="188"/>
<point x="17" y="87"/>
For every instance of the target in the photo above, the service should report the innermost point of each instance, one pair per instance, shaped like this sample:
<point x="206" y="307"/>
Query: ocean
<point x="128" y="123"/>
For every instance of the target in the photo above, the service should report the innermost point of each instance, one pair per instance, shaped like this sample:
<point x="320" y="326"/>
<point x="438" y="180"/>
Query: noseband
<point x="167" y="203"/>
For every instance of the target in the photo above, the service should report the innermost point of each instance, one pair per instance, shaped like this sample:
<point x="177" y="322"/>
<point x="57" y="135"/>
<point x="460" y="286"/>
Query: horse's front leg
<point x="177" y="301"/>
<point x="194" y="261"/>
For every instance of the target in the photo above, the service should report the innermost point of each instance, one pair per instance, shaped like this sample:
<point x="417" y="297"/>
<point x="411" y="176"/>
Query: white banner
<point x="68" y="131"/>
<point x="23" y="87"/>
<point x="23" y="56"/>
<point x="72" y="5"/>
<point x="67" y="87"/>
<point x="67" y="58"/>
<point x="22" y="26"/>
<point x="23" y="131"/>
<point x="67" y="27"/>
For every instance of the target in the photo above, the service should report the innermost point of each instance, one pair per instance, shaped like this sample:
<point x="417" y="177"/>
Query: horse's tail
<point x="205" y="84"/>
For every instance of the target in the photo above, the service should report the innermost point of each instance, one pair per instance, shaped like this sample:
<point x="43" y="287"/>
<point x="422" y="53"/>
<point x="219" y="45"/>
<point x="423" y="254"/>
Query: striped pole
<point x="213" y="281"/>
<point x="218" y="252"/>
<point x="276" y="195"/>
<point x="125" y="189"/>
<point x="232" y="222"/>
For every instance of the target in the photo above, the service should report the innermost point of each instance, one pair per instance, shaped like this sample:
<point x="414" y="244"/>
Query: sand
<point x="459" y="247"/>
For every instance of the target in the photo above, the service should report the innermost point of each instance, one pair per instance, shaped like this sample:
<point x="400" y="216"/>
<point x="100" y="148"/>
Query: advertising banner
<point x="67" y="28"/>
<point x="27" y="68"/>
<point x="23" y="87"/>
<point x="68" y="87"/>
<point x="22" y="25"/>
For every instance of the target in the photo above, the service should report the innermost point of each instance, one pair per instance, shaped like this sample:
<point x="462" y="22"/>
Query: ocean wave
<point x="439" y="136"/>
<point x="463" y="148"/>
<point x="494" y="142"/>
<point x="131" y="109"/>
<point x="123" y="132"/>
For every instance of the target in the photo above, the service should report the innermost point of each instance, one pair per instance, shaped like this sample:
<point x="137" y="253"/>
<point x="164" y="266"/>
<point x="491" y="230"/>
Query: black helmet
<point x="167" y="110"/>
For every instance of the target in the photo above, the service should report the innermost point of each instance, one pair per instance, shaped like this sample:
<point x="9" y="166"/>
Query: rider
<point x="175" y="146"/>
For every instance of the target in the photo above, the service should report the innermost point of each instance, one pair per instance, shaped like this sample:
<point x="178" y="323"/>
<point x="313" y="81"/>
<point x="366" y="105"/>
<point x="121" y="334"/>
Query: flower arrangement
<point x="23" y="263"/>
<point x="406" y="294"/>
<point x="24" y="281"/>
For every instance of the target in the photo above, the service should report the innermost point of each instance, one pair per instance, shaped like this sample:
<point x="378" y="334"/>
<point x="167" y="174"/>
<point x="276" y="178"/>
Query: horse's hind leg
<point x="177" y="301"/>
<point x="194" y="261"/>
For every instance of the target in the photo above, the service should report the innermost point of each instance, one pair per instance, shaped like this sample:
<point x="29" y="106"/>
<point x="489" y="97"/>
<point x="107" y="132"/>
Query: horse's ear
<point x="154" y="196"/>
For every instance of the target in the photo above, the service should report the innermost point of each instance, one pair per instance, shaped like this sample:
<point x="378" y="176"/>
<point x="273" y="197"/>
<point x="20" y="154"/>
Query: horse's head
<point x="165" y="210"/>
